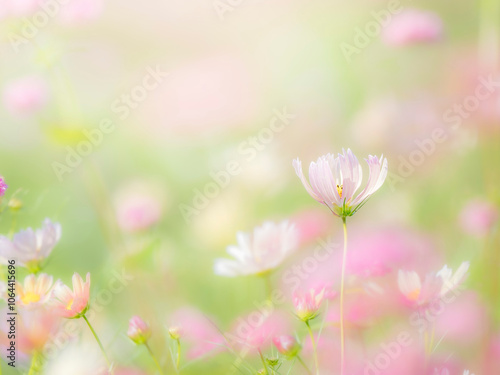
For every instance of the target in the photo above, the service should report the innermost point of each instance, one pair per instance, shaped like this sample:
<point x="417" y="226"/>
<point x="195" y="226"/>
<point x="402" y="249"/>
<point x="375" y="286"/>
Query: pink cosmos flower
<point x="413" y="26"/>
<point x="335" y="180"/>
<point x="478" y="217"/>
<point x="307" y="305"/>
<point x="29" y="247"/>
<point x="138" y="330"/>
<point x="286" y="345"/>
<point x="25" y="96"/>
<point x="435" y="285"/>
<point x="262" y="251"/>
<point x="74" y="303"/>
<point x="3" y="186"/>
<point x="35" y="291"/>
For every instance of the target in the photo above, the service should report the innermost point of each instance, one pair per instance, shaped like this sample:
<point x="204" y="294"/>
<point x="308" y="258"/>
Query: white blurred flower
<point x="434" y="285"/>
<point x="77" y="360"/>
<point x="263" y="250"/>
<point x="30" y="247"/>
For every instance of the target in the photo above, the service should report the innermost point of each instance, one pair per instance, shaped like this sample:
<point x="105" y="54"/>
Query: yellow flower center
<point x="30" y="297"/>
<point x="70" y="303"/>
<point x="413" y="296"/>
<point x="339" y="190"/>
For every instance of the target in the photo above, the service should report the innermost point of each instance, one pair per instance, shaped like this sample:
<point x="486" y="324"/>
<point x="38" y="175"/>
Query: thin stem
<point x="263" y="362"/>
<point x="315" y="352"/>
<point x="269" y="288"/>
<point x="98" y="341"/>
<point x="154" y="358"/>
<point x="34" y="365"/>
<point x="304" y="365"/>
<point x="178" y="360"/>
<point x="342" y="279"/>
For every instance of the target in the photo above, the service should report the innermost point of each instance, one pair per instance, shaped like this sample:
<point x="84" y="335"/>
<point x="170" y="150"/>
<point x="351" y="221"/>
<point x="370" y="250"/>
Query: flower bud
<point x="138" y="330"/>
<point x="15" y="204"/>
<point x="286" y="345"/>
<point x="175" y="332"/>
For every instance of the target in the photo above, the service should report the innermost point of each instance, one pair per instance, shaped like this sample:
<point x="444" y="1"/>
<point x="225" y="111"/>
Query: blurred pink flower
<point x="197" y="332"/>
<point x="478" y="217"/>
<point x="462" y="320"/>
<point x="262" y="251"/>
<point x="286" y="345"/>
<point x="138" y="330"/>
<point x="307" y="304"/>
<point x="18" y="8"/>
<point x="35" y="291"/>
<point x="311" y="224"/>
<point x="79" y="12"/>
<point x="377" y="251"/>
<point x="25" y="96"/>
<point x="34" y="330"/>
<point x="3" y="186"/>
<point x="28" y="247"/>
<point x="335" y="180"/>
<point x="74" y="303"/>
<point x="413" y="26"/>
<point x="139" y="206"/>
<point x="435" y="285"/>
<point x="257" y="329"/>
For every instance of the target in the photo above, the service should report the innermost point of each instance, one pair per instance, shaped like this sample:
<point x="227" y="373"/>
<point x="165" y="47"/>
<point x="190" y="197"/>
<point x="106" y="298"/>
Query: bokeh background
<point x="374" y="76"/>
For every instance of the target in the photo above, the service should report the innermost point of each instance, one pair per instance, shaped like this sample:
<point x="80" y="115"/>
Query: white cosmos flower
<point x="334" y="181"/>
<point x="258" y="252"/>
<point x="434" y="286"/>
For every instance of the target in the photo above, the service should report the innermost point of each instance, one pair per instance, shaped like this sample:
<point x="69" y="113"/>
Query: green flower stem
<point x="178" y="360"/>
<point x="98" y="341"/>
<point x="315" y="352"/>
<point x="263" y="362"/>
<point x="342" y="279"/>
<point x="154" y="358"/>
<point x="34" y="364"/>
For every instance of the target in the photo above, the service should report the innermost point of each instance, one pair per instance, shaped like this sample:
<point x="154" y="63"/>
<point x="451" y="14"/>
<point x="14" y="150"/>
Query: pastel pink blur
<point x="138" y="206"/>
<point x="478" y="217"/>
<point x="79" y="12"/>
<point x="413" y="26"/>
<point x="197" y="332"/>
<point x="25" y="96"/>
